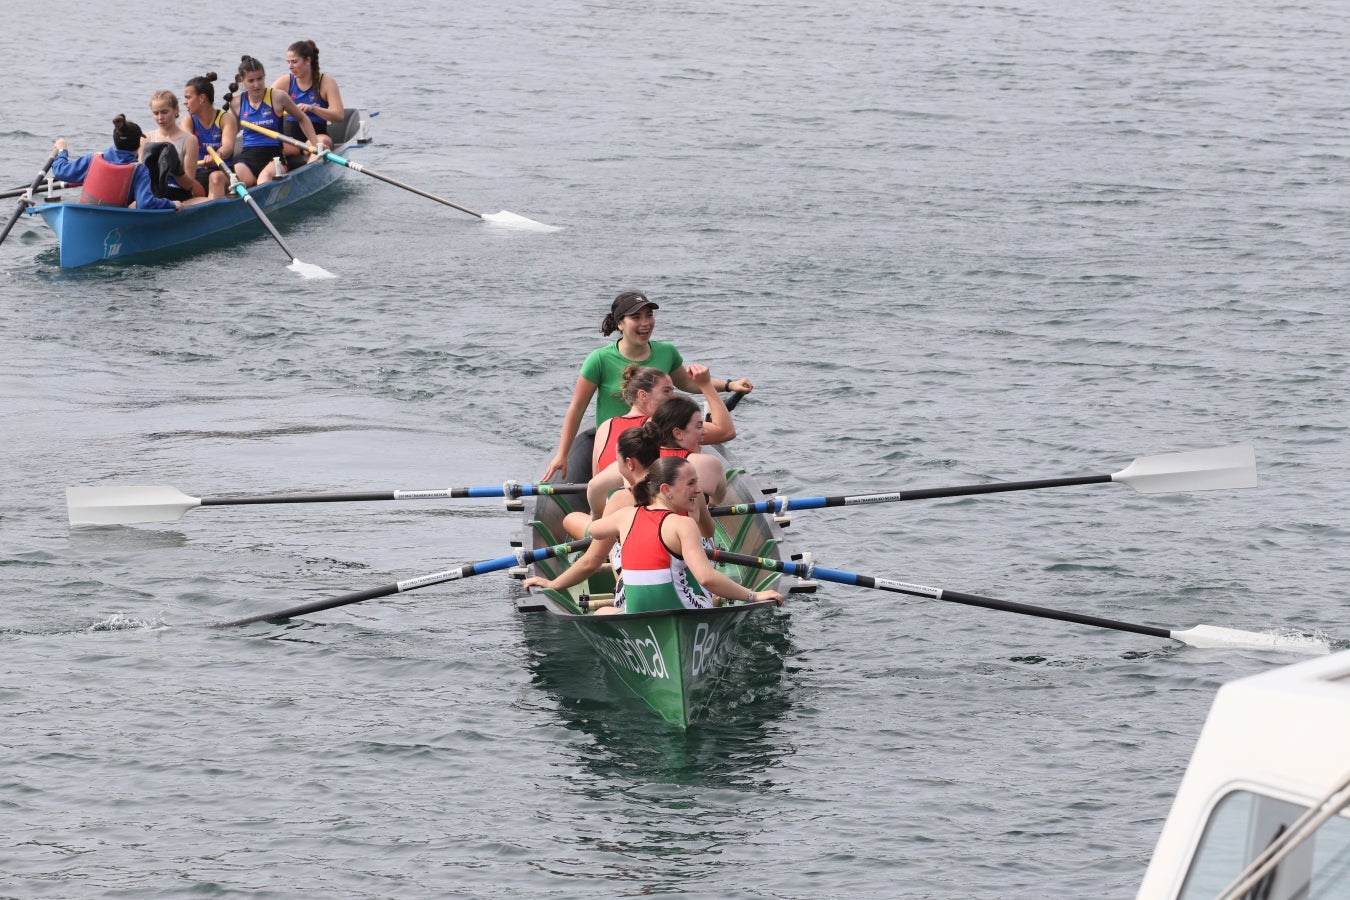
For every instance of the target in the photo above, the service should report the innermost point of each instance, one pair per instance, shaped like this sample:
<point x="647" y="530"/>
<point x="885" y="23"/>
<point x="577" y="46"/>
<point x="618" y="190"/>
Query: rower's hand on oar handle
<point x="59" y="145"/>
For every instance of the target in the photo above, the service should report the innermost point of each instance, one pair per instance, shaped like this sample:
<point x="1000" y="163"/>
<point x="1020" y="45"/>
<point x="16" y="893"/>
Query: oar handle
<point x="835" y="575"/>
<point x="520" y="557"/>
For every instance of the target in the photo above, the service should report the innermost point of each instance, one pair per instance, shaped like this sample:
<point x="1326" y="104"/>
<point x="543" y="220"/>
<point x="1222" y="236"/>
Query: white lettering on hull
<point x="639" y="655"/>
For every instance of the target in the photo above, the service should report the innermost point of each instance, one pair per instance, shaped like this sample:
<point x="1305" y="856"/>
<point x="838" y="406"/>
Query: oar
<point x="509" y="219"/>
<point x="1221" y="468"/>
<point x="129" y="505"/>
<point x="519" y="558"/>
<point x="308" y="270"/>
<point x="28" y="191"/>
<point x="28" y="195"/>
<point x="1200" y="636"/>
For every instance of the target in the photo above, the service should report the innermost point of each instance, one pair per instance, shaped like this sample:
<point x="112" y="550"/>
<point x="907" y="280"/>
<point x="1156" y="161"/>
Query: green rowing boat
<point x="673" y="660"/>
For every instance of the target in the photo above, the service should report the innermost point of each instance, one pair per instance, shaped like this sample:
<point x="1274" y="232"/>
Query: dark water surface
<point x="949" y="242"/>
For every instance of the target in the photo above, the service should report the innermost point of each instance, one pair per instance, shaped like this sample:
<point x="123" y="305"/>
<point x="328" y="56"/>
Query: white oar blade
<point x="509" y="219"/>
<point x="1212" y="636"/>
<point x="309" y="270"/>
<point x="1222" y="468"/>
<point x="126" y="505"/>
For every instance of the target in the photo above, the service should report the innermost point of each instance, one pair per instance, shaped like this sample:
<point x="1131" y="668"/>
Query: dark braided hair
<point x="246" y="64"/>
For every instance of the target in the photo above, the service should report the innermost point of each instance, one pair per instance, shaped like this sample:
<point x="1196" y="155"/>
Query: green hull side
<point x="673" y="661"/>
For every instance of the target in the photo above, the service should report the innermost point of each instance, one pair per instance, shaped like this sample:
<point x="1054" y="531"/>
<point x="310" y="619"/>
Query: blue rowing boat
<point x="89" y="234"/>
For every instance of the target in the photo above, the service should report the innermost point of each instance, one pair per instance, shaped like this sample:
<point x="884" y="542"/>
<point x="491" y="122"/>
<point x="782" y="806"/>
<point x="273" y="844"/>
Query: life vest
<point x="107" y="184"/>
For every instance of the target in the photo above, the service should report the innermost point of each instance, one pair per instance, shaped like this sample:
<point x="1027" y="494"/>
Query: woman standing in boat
<point x="634" y="317"/>
<point x="315" y="93"/>
<point x="262" y="106"/>
<point x="212" y="128"/>
<point x="664" y="563"/>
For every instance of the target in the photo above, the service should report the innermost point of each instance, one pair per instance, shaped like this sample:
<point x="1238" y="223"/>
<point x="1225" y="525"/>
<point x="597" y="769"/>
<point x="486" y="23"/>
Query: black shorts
<point x="174" y="192"/>
<point x="257" y="158"/>
<point x="292" y="128"/>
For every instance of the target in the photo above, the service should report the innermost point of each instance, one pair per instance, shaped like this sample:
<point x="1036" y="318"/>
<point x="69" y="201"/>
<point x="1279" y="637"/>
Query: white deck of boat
<point x="1283" y="734"/>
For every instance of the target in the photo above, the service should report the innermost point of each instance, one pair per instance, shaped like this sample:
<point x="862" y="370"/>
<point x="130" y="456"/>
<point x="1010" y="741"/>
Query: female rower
<point x="182" y="185"/>
<point x="660" y="551"/>
<point x="645" y="390"/>
<point x="678" y="425"/>
<point x="212" y="128"/>
<point x="262" y="106"/>
<point x="636" y="450"/>
<point x="314" y="92"/>
<point x="634" y="317"/>
<point x="114" y="178"/>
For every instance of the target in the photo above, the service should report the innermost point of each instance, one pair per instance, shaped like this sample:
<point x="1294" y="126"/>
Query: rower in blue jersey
<point x="261" y="105"/>
<point x="218" y="128"/>
<point x="315" y="92"/>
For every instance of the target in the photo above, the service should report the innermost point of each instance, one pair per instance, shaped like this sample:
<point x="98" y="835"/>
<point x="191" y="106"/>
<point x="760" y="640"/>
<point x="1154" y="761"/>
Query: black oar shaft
<point x="412" y="584"/>
<point x="867" y="581"/>
<point x="476" y="492"/>
<point x="791" y="504"/>
<point x="300" y="498"/>
<point x="23" y="201"/>
<point x="267" y="223"/>
<point x="357" y="167"/>
<point x="999" y="487"/>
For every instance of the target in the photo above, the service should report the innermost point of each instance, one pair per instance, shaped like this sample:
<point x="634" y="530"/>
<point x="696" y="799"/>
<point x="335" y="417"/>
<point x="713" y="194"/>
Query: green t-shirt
<point x="605" y="367"/>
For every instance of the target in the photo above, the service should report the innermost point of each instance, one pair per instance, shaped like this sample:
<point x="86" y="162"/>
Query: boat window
<point x="1242" y="825"/>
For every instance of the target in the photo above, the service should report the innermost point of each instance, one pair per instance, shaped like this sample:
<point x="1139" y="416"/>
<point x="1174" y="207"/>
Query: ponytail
<point x="246" y="64"/>
<point x="202" y="85"/>
<point x="665" y="470"/>
<point x="638" y="378"/>
<point x="639" y="445"/>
